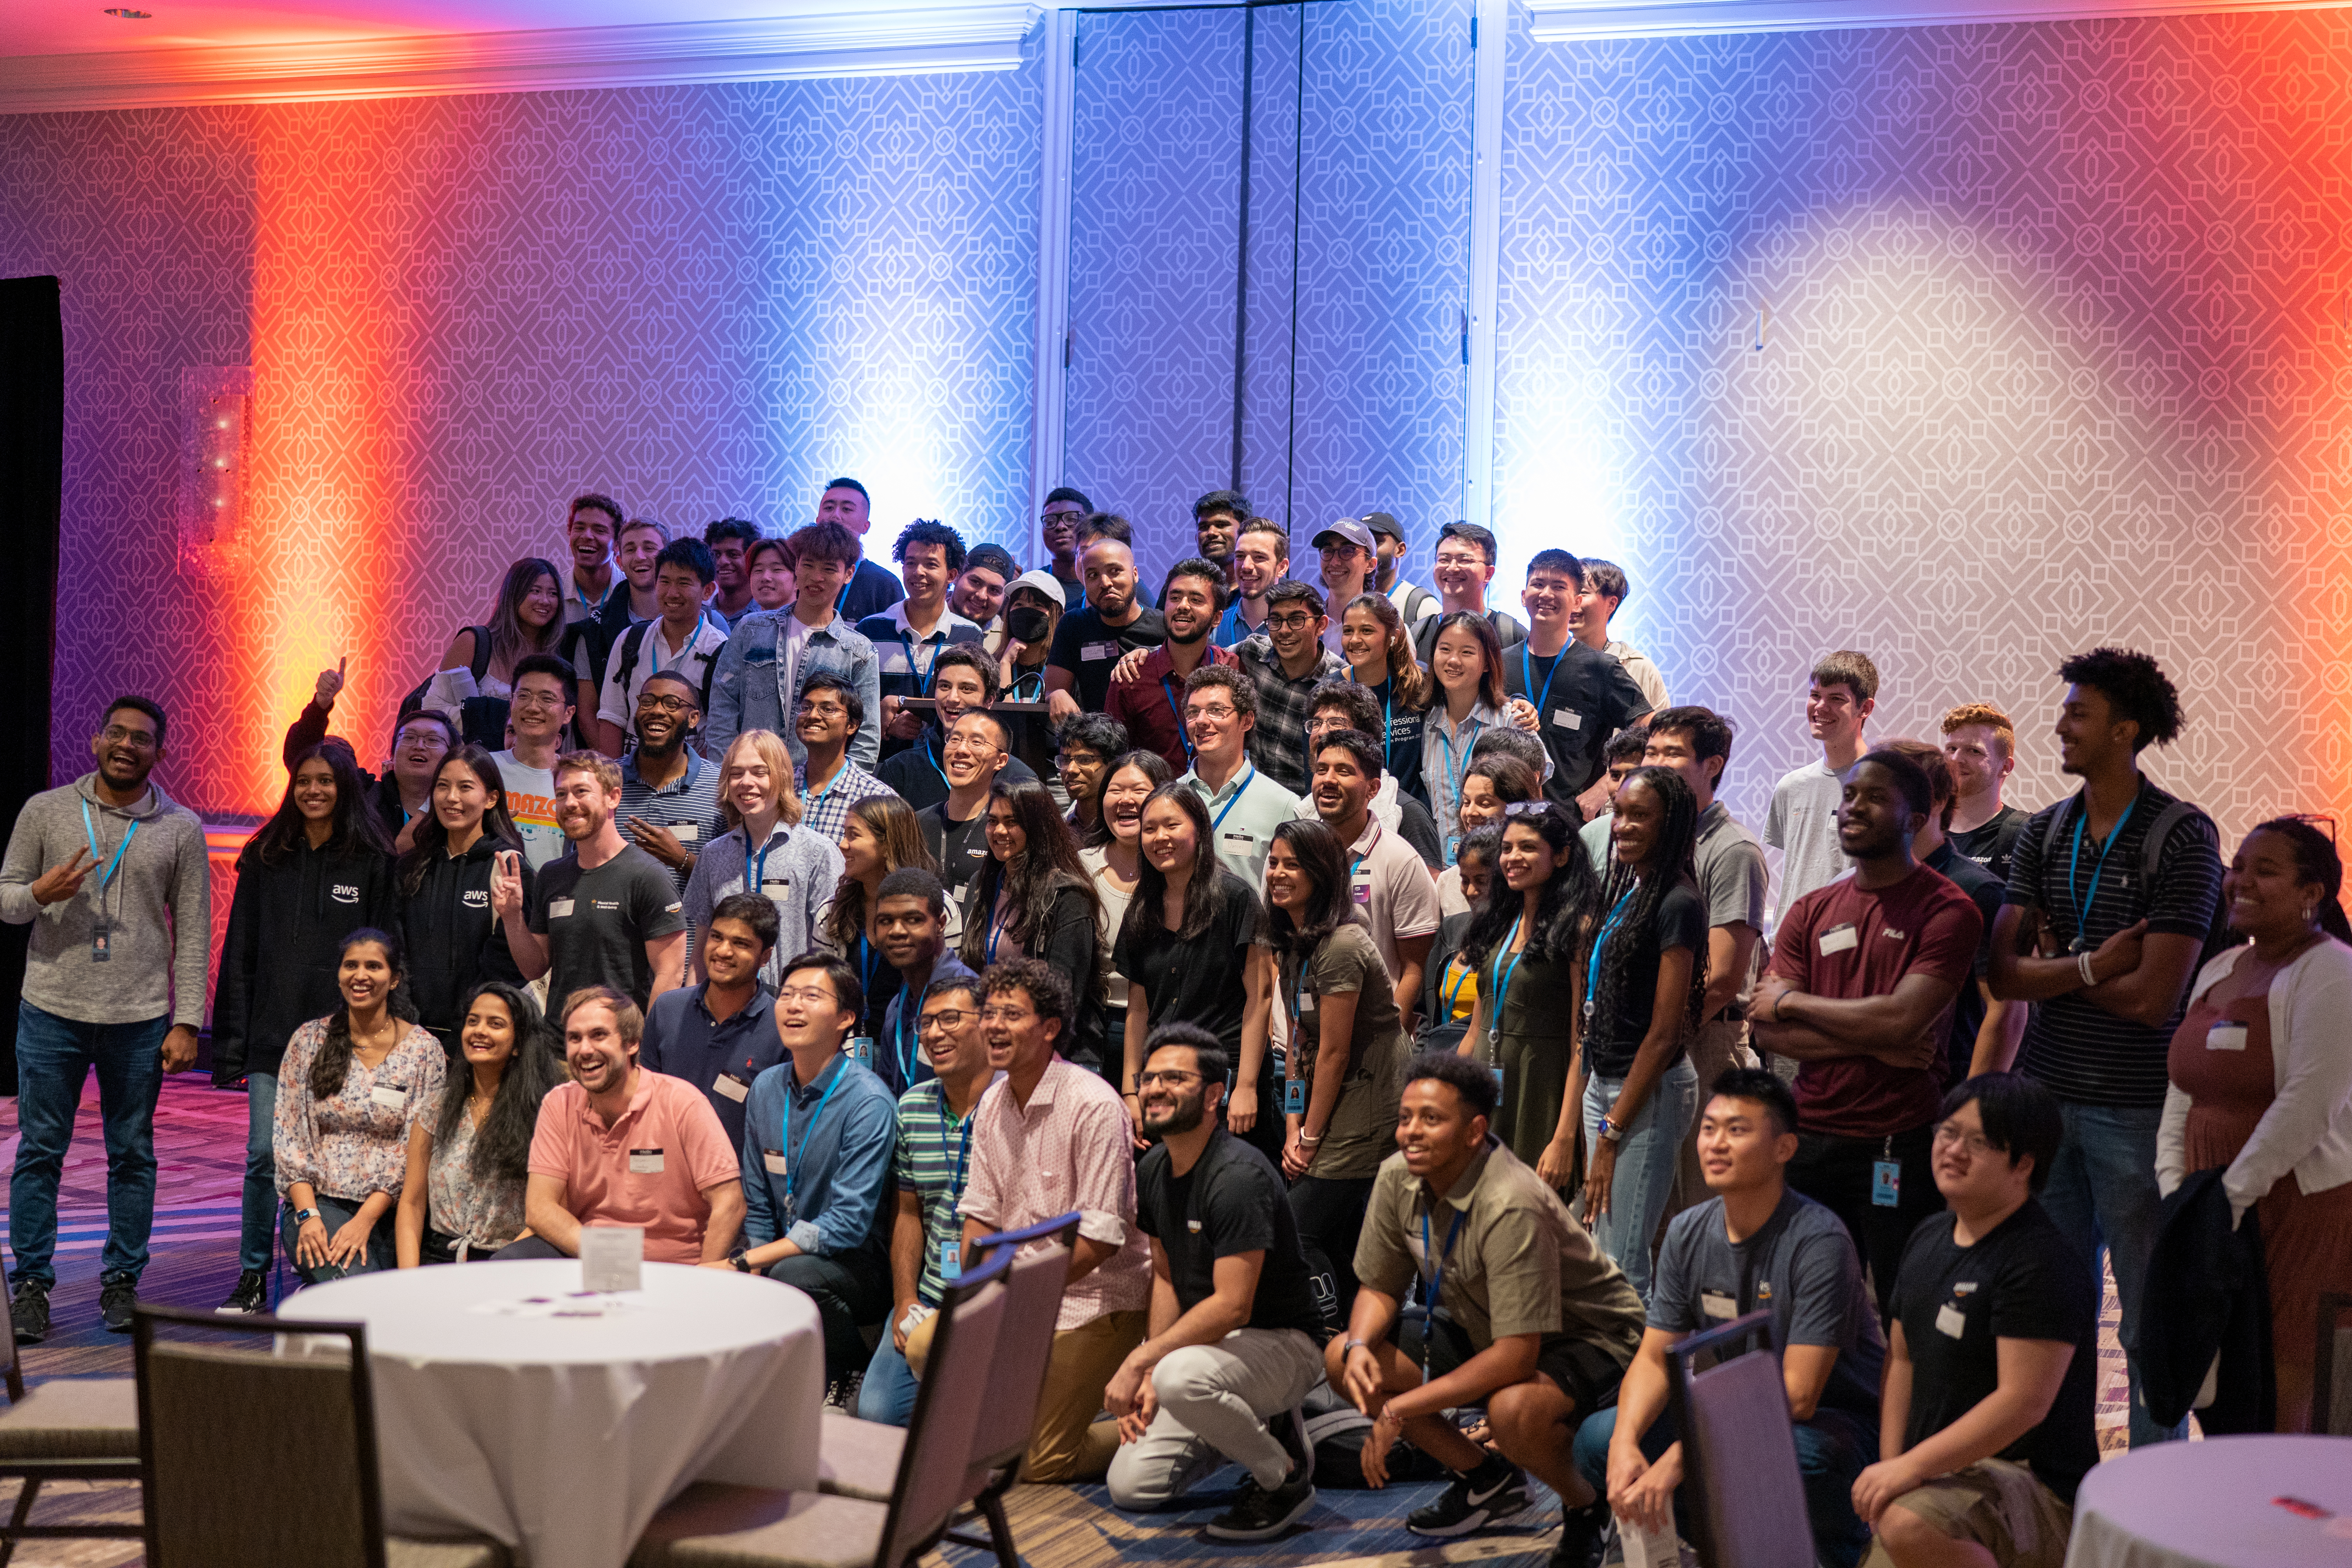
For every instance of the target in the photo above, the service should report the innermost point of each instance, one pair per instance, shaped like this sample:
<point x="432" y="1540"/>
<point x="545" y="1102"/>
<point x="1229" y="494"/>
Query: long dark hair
<point x="890" y="819"/>
<point x="1568" y="898"/>
<point x="1049" y="863"/>
<point x="1205" y="893"/>
<point x="333" y="1062"/>
<point x="433" y="839"/>
<point x="1490" y="653"/>
<point x="1671" y="863"/>
<point x="355" y="825"/>
<point x="1325" y="862"/>
<point x="511" y="640"/>
<point x="502" y="1142"/>
<point x="2317" y="861"/>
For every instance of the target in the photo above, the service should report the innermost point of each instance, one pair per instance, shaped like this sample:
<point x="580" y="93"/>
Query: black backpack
<point x="2217" y="934"/>
<point x="482" y="720"/>
<point x="633" y="642"/>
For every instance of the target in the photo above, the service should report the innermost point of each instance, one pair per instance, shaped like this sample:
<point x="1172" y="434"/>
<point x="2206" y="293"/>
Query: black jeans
<point x="848" y="1291"/>
<point x="1330" y="1215"/>
<point x="336" y="1213"/>
<point x="1836" y="1173"/>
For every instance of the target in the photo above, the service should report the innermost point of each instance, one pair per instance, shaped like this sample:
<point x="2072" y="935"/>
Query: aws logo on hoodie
<point x="346" y="893"/>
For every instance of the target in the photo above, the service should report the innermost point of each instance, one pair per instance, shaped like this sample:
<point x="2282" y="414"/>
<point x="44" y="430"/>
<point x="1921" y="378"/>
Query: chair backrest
<point x="1016" y="1373"/>
<point x="1747" y="1498"/>
<point x="1062" y="1227"/>
<point x="937" y="1451"/>
<point x="11" y="1370"/>
<point x="222" y="1427"/>
<point x="2331" y="1387"/>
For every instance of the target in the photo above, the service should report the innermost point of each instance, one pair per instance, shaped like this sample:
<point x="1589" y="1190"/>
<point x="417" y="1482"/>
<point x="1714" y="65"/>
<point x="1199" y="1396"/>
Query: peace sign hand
<point x="61" y="882"/>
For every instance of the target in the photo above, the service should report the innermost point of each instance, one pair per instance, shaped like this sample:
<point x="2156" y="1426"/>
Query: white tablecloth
<point x="2208" y="1505"/>
<point x="561" y="1437"/>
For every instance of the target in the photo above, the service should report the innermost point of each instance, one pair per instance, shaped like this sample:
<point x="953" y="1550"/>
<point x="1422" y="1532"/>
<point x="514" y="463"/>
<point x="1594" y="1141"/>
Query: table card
<point x="612" y="1256"/>
<point x="1648" y="1548"/>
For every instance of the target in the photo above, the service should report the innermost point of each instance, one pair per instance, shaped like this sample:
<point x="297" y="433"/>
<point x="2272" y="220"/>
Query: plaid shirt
<point x="828" y="812"/>
<point x="1278" y="743"/>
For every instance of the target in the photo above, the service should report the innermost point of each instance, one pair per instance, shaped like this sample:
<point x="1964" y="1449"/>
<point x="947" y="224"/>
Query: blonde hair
<point x="771" y="749"/>
<point x="607" y="771"/>
<point x="1988" y="715"/>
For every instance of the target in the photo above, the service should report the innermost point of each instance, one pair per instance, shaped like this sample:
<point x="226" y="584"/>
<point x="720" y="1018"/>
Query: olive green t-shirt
<point x="1363" y="1129"/>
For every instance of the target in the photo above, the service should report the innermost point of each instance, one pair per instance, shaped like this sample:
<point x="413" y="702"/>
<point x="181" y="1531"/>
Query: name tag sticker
<point x="1240" y="838"/>
<point x="1568" y="719"/>
<point x="1361" y="887"/>
<point x="1306" y="1001"/>
<point x="781" y="884"/>
<point x="390" y="1097"/>
<point x="1949" y="1322"/>
<point x="1840" y="938"/>
<point x="558" y="908"/>
<point x="773" y="1160"/>
<point x="1718" y="1306"/>
<point x="685" y="832"/>
<point x="1098" y="651"/>
<point x="645" y="1161"/>
<point x="732" y="1086"/>
<point x="2226" y="1038"/>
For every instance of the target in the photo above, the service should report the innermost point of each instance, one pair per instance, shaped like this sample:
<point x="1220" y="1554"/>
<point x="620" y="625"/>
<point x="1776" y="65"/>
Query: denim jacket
<point x="748" y="691"/>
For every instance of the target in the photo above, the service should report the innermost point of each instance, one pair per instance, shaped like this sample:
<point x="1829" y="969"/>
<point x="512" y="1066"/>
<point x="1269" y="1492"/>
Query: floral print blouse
<point x="485" y="1214"/>
<point x="354" y="1142"/>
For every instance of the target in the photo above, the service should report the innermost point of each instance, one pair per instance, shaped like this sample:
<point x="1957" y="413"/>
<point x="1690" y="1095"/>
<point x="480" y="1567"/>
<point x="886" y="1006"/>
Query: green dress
<point x="1531" y="1047"/>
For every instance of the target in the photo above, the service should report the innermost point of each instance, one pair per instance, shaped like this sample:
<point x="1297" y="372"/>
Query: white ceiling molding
<point x="902" y="40"/>
<point x="1565" y="21"/>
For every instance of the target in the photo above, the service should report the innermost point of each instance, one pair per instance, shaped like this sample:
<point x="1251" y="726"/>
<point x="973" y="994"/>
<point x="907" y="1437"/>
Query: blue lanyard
<point x="1503" y="979"/>
<point x="963" y="1150"/>
<point x="1528" y="679"/>
<point x="931" y="751"/>
<point x="759" y="863"/>
<point x="809" y="802"/>
<point x="112" y="865"/>
<point x="2082" y="905"/>
<point x="866" y="964"/>
<point x="1600" y="944"/>
<point x="792" y="1159"/>
<point x="1436" y="1280"/>
<point x="1454" y="998"/>
<point x="908" y="1039"/>
<point x="922" y="681"/>
<point x="1453" y="776"/>
<point x="1239" y="790"/>
<point x="1035" y="683"/>
<point x="1167" y="691"/>
<point x="995" y="927"/>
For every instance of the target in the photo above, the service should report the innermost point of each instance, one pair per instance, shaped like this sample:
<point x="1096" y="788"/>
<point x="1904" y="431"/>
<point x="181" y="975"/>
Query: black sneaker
<point x="1260" y="1514"/>
<point x="841" y="1393"/>
<point x="1582" y="1532"/>
<point x="28" y="1313"/>
<point x="116" y="1293"/>
<point x="251" y="1295"/>
<point x="1496" y="1489"/>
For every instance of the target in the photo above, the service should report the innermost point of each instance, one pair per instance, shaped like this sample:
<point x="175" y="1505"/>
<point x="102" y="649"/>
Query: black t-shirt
<point x="1231" y="1202"/>
<point x="1200" y="981"/>
<point x="2024" y="1281"/>
<point x="914" y="773"/>
<point x="1090" y="649"/>
<point x="957" y="847"/>
<point x="1582" y="698"/>
<point x="597" y="922"/>
<point x="1993" y="844"/>
<point x="1614" y="1034"/>
<point x="1400" y="735"/>
<point x="1987" y="893"/>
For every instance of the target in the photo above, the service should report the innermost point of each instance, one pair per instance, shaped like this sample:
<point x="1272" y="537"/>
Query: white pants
<point x="1213" y="1405"/>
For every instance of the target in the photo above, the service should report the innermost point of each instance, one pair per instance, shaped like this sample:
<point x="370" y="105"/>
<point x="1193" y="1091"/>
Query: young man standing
<point x="1216" y="519"/>
<point x="730" y="539"/>
<point x="770" y="654"/>
<point x="1057" y="523"/>
<point x="978" y="594"/>
<point x="590" y="526"/>
<point x="955" y="829"/>
<point x="1388" y="543"/>
<point x="683" y="643"/>
<point x="2119" y="881"/>
<point x="1285" y="663"/>
<point x="963" y="681"/>
<point x="932" y="1164"/>
<point x="1149" y="703"/>
<point x="1537" y="1322"/>
<point x="1860" y="994"/>
<point x="1234" y="1322"/>
<point x="1582" y="697"/>
<point x="537" y="713"/>
<point x="111" y="875"/>
<point x="606" y="915"/>
<point x="1802" y="823"/>
<point x="1985" y="1425"/>
<point x="827" y="782"/>
<point x="588" y="643"/>
<point x="818" y="1134"/>
<point x="1757" y="1244"/>
<point x="669" y="795"/>
<point x="1022" y="644"/>
<point x="1390" y="888"/>
<point x="720" y="1035"/>
<point x="1083" y="749"/>
<point x="1344" y="705"/>
<point x="1981" y="745"/>
<point x="1985" y="1030"/>
<point x="1090" y="641"/>
<point x="1464" y="565"/>
<point x="911" y="927"/>
<point x="909" y="635"/>
<point x="1604" y="590"/>
<point x="870" y="590"/>
<point x="1350" y="560"/>
<point x="1245" y="806"/>
<point x="1261" y="559"/>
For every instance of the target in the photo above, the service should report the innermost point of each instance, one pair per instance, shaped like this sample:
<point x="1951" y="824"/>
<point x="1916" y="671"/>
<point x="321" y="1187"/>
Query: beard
<point x="1181" y="1117"/>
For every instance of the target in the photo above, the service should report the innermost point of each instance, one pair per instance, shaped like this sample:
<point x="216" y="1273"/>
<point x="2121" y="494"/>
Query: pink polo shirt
<point x="670" y="1128"/>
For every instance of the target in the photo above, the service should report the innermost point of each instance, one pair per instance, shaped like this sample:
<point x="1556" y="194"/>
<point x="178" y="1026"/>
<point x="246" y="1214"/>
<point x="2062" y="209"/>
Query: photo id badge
<point x="102" y="939"/>
<point x="1293" y="1098"/>
<point x="859" y="1048"/>
<point x="1885" y="1184"/>
<point x="952" y="1261"/>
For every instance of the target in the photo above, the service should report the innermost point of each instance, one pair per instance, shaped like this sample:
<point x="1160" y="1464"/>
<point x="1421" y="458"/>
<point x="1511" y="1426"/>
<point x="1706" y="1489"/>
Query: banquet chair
<point x="66" y="1428"/>
<point x="2331" y="1385"/>
<point x="1746" y="1501"/>
<point x="225" y="1431"/>
<point x="711" y="1525"/>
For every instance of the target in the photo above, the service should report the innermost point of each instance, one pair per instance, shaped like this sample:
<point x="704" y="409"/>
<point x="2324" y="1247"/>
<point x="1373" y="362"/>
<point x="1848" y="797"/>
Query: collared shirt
<point x="1392" y="890"/>
<point x="1278" y="743"/>
<point x="818" y="1182"/>
<point x="1067" y="1149"/>
<point x="617" y="700"/>
<point x="1445" y="749"/>
<point x="683" y="1040"/>
<point x="650" y="1168"/>
<point x="900" y="1059"/>
<point x="1151" y="705"/>
<point x="795" y="870"/>
<point x="934" y="1163"/>
<point x="906" y="657"/>
<point x="1645" y="674"/>
<point x="687" y="805"/>
<point x="1235" y="629"/>
<point x="872" y="589"/>
<point x="578" y="606"/>
<point x="1243" y="815"/>
<point x="826" y="812"/>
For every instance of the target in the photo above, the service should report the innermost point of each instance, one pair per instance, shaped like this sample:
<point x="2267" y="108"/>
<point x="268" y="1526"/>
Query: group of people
<point x="1379" y="977"/>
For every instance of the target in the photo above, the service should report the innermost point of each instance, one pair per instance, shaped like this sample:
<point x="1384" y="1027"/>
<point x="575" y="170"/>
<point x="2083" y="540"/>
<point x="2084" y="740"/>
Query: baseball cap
<point x="1348" y="529"/>
<point x="1381" y="522"/>
<point x="1045" y="583"/>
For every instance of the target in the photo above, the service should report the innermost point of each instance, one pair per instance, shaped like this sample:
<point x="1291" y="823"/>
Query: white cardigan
<point x="2308" y="1127"/>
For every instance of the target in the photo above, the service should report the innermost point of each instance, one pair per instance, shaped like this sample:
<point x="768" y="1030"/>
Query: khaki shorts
<point x="1999" y="1505"/>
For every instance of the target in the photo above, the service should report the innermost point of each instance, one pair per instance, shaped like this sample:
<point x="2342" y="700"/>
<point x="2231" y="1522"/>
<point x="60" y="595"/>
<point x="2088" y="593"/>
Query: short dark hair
<point x="763" y="545"/>
<point x="1068" y="492"/>
<point x="826" y="680"/>
<point x="2135" y="688"/>
<point x="732" y="528"/>
<point x="845" y="483"/>
<point x="1199" y="566"/>
<point x="1918" y="790"/>
<point x="1266" y="525"/>
<point x="1048" y="993"/>
<point x="1557" y="560"/>
<point x="1627" y="745"/>
<point x="1358" y="745"/>
<point x="1291" y="591"/>
<point x="1486" y="842"/>
<point x="1474" y="1082"/>
<point x="755" y="911"/>
<point x="1106" y="525"/>
<point x="1514" y="743"/>
<point x="949" y="984"/>
<point x="1763" y="1086"/>
<point x="926" y="530"/>
<point x="592" y="501"/>
<point x="147" y="705"/>
<point x="824" y="542"/>
<point x="968" y="654"/>
<point x="2021" y="1118"/>
<point x="552" y="664"/>
<point x="1710" y="732"/>
<point x="1239" y="687"/>
<point x="1605" y="578"/>
<point x="1936" y="765"/>
<point x="1211" y="1057"/>
<point x="692" y="555"/>
<point x="430" y="715"/>
<point x="847" y="991"/>
<point x="1228" y="503"/>
<point x="1350" y="698"/>
<point x="914" y="882"/>
<point x="1850" y="669"/>
<point x="992" y="558"/>
<point x="1470" y="533"/>
<point x="1098" y="732"/>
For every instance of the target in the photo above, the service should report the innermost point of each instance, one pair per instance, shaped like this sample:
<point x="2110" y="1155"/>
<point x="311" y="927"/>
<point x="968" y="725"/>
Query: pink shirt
<point x="1066" y="1149"/>
<point x="672" y="1137"/>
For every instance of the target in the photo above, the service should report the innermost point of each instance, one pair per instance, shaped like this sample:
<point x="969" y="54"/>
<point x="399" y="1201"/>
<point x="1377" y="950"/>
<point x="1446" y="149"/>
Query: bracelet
<point x="1780" y="1000"/>
<point x="1309" y="1142"/>
<point x="2082" y="965"/>
<point x="1353" y="1345"/>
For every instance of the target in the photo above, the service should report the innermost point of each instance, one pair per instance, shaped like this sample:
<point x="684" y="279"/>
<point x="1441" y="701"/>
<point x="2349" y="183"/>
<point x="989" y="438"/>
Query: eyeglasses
<point x="1079" y="760"/>
<point x="138" y="740"/>
<point x="1220" y="712"/>
<point x="1171" y="1077"/>
<point x="538" y="699"/>
<point x="1005" y="1016"/>
<point x="946" y="1018"/>
<point x="650" y="703"/>
<point x="967" y="745"/>
<point x="1952" y="1134"/>
<point x="814" y="995"/>
<point x="1290" y="623"/>
<point x="826" y="709"/>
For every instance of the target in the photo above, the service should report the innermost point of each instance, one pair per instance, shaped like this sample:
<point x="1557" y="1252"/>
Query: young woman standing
<point x="1380" y="659"/>
<point x="880" y="836"/>
<point x="453" y="939"/>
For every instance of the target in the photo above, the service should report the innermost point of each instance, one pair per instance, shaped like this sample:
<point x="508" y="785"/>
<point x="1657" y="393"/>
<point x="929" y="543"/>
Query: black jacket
<point x="2206" y="1292"/>
<point x="1072" y="943"/>
<point x="278" y="963"/>
<point x="454" y="940"/>
<point x="1438" y="1030"/>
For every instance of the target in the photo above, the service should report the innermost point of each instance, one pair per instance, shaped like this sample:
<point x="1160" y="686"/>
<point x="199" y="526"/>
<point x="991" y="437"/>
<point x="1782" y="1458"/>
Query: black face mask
<point x="1027" y="624"/>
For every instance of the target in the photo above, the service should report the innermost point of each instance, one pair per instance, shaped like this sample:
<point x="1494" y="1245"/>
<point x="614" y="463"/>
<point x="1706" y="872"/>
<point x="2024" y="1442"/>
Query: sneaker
<point x="840" y="1393"/>
<point x="28" y="1313"/>
<point x="1261" y="1515"/>
<point x="251" y="1295"/>
<point x="1496" y="1489"/>
<point x="116" y="1293"/>
<point x="1582" y="1533"/>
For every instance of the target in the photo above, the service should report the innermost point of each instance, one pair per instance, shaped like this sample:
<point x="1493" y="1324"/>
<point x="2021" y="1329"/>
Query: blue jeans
<point x="54" y="1057"/>
<point x="887" y="1394"/>
<point x="2102" y="1192"/>
<point x="257" y="1227"/>
<point x="1647" y="1157"/>
<point x="1832" y="1449"/>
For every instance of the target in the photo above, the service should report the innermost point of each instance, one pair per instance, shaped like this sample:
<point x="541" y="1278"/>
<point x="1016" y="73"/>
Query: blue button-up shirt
<point x="827" y="1198"/>
<point x="899" y="1059"/>
<point x="684" y="1040"/>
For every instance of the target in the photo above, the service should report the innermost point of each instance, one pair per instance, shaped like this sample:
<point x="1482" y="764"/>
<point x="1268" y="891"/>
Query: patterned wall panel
<point x="462" y="310"/>
<point x="2056" y="354"/>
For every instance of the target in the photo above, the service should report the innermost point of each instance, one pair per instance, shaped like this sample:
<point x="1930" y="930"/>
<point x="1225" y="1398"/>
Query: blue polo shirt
<point x="899" y="1059"/>
<point x="684" y="1040"/>
<point x="818" y="1180"/>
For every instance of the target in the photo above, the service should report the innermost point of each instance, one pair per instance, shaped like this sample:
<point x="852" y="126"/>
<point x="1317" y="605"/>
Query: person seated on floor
<point x="1527" y="1316"/>
<point x="720" y="1033"/>
<point x="469" y="1162"/>
<point x="1756" y="1244"/>
<point x="1235" y="1326"/>
<point x="615" y="1124"/>
<point x="911" y="927"/>
<point x="1986" y="1418"/>
<point x="932" y="1164"/>
<point x="818" y="1132"/>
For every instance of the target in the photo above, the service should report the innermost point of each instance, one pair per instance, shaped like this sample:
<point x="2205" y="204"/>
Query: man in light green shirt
<point x="1245" y="805"/>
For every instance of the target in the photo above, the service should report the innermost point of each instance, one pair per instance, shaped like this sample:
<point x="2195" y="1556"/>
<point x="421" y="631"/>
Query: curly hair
<point x="2135" y="688"/>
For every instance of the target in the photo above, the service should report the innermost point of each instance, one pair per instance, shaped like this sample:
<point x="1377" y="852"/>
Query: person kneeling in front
<point x="1235" y="1323"/>
<point x="818" y="1132"/>
<point x="1757" y="1244"/>
<point x="621" y="1146"/>
<point x="1986" y="1420"/>
<point x="1527" y="1316"/>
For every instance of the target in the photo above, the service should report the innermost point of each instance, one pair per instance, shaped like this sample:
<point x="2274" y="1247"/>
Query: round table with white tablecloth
<point x="499" y="1412"/>
<point x="2214" y="1505"/>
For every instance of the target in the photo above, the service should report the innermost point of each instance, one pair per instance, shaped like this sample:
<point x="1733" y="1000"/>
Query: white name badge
<point x="774" y="1160"/>
<point x="645" y="1161"/>
<point x="2223" y="1038"/>
<point x="1718" y="1306"/>
<point x="1240" y="838"/>
<point x="1306" y="1001"/>
<point x="558" y="908"/>
<point x="685" y="833"/>
<point x="1098" y="651"/>
<point x="729" y="1085"/>
<point x="1568" y="718"/>
<point x="393" y="1099"/>
<point x="1840" y="938"/>
<point x="781" y="884"/>
<point x="1949" y="1321"/>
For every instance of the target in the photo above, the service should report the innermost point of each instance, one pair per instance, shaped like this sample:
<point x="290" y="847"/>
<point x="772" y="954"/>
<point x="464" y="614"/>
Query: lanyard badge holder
<point x="1433" y="1291"/>
<point x="2082" y="906"/>
<point x="101" y="931"/>
<point x="1293" y="1086"/>
<point x="1886" y="1179"/>
<point x="1503" y="975"/>
<point x="951" y="1246"/>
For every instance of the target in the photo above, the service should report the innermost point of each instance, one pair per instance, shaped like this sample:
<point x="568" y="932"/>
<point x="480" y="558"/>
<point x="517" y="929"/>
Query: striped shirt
<point x="826" y="813"/>
<point x="933" y="1162"/>
<point x="687" y="805"/>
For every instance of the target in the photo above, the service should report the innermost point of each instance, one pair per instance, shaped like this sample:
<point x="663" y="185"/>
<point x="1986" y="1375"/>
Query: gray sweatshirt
<point x="158" y="908"/>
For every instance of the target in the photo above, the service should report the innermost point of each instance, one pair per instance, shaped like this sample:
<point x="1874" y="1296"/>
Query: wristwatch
<point x="303" y="1216"/>
<point x="1609" y="1130"/>
<point x="737" y="1259"/>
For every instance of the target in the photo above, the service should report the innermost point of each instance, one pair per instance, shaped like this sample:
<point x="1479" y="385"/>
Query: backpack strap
<point x="481" y="653"/>
<point x="2152" y="851"/>
<point x="631" y="642"/>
